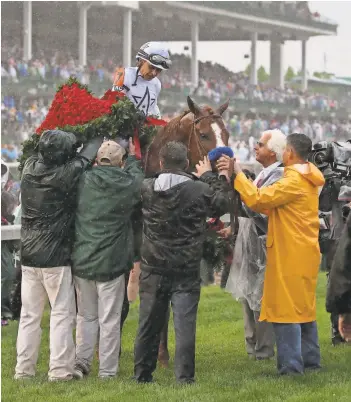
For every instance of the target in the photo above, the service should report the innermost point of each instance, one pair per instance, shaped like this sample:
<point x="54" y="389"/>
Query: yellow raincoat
<point x="293" y="257"/>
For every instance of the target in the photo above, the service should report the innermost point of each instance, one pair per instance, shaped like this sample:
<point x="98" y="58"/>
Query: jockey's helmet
<point x="156" y="54"/>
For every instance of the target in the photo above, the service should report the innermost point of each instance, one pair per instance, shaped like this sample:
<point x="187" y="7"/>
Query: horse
<point x="201" y="129"/>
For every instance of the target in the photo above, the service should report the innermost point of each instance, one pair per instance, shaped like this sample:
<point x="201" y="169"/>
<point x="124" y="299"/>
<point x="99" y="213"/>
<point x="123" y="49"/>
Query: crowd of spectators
<point x="216" y="82"/>
<point x="20" y="116"/>
<point x="50" y="65"/>
<point x="20" y="119"/>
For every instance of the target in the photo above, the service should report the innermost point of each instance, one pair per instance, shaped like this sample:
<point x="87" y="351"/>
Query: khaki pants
<point x="99" y="308"/>
<point x="259" y="336"/>
<point x="38" y="284"/>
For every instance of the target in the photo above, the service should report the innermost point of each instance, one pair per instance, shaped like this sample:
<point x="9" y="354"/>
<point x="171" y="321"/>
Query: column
<point x="304" y="80"/>
<point x="277" y="71"/>
<point x="127" y="37"/>
<point x="194" y="61"/>
<point x="27" y="31"/>
<point x="253" y="74"/>
<point x="83" y="34"/>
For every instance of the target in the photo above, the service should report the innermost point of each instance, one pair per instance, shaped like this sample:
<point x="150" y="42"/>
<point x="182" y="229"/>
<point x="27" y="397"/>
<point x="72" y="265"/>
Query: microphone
<point x="216" y="153"/>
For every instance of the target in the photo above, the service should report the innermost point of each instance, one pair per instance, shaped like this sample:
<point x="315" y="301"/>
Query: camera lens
<point x="319" y="158"/>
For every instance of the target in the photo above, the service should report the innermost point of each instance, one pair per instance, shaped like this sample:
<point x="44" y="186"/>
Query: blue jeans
<point x="297" y="347"/>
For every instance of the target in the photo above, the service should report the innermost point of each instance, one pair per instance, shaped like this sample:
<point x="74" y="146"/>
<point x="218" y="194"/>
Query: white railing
<point x="11" y="232"/>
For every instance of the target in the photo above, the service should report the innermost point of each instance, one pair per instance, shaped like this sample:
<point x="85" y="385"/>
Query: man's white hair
<point x="276" y="143"/>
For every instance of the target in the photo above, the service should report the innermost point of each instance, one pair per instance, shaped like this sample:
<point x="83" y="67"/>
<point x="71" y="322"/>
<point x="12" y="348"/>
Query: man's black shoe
<point x="337" y="339"/>
<point x="143" y="380"/>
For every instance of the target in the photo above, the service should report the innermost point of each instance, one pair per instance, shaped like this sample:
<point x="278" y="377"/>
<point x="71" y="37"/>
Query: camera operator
<point x="339" y="286"/>
<point x="334" y="160"/>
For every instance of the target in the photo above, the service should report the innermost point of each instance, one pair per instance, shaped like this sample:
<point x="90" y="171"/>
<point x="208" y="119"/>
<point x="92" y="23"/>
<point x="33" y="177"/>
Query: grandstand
<point x="43" y="43"/>
<point x="93" y="29"/>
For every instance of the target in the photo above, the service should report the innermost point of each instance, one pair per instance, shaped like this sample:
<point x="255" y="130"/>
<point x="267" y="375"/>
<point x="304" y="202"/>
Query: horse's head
<point x="201" y="129"/>
<point x="205" y="128"/>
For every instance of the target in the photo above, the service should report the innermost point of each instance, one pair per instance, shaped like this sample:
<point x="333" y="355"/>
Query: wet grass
<point x="223" y="371"/>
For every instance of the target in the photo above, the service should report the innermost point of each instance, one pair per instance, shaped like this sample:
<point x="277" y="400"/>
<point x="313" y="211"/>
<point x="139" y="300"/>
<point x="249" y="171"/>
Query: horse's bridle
<point x="200" y="147"/>
<point x="233" y="195"/>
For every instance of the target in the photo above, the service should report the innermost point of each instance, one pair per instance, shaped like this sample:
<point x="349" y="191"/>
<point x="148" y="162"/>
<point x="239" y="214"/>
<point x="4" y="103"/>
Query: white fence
<point x="12" y="232"/>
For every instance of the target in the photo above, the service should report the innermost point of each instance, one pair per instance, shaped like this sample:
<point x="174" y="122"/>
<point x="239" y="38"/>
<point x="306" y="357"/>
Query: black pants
<point x="156" y="292"/>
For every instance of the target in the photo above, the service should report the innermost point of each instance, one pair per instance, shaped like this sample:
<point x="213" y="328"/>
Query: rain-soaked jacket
<point x="103" y="246"/>
<point x="245" y="281"/>
<point x="48" y="193"/>
<point x="339" y="285"/>
<point x="175" y="206"/>
<point x="293" y="257"/>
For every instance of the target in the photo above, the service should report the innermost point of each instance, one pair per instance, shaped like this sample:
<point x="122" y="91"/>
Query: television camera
<point x="334" y="161"/>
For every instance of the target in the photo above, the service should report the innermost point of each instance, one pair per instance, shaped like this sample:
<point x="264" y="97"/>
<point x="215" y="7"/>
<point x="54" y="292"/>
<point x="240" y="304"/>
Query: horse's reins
<point x="233" y="195"/>
<point x="200" y="147"/>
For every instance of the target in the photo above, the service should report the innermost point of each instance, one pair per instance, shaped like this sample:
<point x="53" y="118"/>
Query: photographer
<point x="334" y="160"/>
<point x="339" y="286"/>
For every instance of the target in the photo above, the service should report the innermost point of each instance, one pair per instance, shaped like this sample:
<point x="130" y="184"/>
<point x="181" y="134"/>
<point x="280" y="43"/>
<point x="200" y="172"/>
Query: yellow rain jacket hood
<point x="293" y="256"/>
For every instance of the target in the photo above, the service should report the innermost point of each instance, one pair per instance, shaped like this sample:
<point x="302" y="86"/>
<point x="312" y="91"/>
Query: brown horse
<point x="201" y="129"/>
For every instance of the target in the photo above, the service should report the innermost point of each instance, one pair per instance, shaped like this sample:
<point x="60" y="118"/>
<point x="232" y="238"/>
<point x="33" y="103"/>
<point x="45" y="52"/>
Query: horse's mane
<point x="173" y="125"/>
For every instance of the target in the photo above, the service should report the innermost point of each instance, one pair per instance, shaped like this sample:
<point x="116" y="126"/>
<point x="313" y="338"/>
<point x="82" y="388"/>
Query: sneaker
<point x="23" y="377"/>
<point x="107" y="377"/>
<point x="60" y="379"/>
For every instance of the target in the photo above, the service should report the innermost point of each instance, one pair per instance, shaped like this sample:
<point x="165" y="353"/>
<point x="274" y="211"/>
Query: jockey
<point x="140" y="84"/>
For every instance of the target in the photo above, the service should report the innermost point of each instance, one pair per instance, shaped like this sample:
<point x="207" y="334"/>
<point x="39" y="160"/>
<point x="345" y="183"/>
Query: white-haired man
<point x="246" y="277"/>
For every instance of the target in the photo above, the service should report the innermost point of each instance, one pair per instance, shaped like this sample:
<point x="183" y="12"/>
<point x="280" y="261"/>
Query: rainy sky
<point x="332" y="52"/>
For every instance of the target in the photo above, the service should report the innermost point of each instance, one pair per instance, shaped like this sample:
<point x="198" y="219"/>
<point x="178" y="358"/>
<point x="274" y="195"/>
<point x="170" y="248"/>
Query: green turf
<point x="223" y="371"/>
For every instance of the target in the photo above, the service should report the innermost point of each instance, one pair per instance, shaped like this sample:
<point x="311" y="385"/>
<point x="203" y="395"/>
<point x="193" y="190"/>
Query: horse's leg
<point x="133" y="283"/>
<point x="163" y="354"/>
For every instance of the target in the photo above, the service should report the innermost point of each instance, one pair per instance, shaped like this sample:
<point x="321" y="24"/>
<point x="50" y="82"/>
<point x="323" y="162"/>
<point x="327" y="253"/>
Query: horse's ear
<point x="194" y="108"/>
<point x="223" y="107"/>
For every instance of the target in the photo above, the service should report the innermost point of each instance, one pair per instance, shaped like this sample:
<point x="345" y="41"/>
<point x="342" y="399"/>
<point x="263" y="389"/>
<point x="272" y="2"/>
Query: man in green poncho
<point x="103" y="252"/>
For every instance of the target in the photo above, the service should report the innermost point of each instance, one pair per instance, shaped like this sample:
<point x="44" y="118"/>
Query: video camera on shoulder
<point x="332" y="158"/>
<point x="334" y="161"/>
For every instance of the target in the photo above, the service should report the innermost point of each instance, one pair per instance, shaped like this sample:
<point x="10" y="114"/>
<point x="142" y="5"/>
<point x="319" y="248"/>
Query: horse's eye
<point x="203" y="136"/>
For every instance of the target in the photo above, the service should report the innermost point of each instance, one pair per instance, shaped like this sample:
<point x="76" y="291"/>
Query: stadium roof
<point x="226" y="21"/>
<point x="332" y="81"/>
<point x="56" y="23"/>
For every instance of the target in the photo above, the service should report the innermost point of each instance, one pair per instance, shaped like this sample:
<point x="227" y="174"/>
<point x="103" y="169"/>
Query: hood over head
<point x="165" y="181"/>
<point x="56" y="147"/>
<point x="310" y="172"/>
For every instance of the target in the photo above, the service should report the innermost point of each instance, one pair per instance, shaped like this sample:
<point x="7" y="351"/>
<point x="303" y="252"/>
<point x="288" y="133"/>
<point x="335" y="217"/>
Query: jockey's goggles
<point x="158" y="61"/>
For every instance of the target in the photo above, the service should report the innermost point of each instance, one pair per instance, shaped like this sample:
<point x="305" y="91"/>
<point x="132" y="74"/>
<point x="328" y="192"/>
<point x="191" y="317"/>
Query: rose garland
<point x="76" y="110"/>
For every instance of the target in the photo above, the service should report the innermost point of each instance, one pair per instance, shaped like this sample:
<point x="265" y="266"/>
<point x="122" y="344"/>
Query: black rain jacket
<point x="48" y="193"/>
<point x="175" y="207"/>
